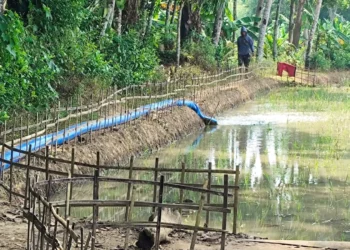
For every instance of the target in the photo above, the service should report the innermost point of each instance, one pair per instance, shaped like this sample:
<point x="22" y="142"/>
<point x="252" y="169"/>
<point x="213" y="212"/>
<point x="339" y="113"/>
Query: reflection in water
<point x="281" y="197"/>
<point x="292" y="187"/>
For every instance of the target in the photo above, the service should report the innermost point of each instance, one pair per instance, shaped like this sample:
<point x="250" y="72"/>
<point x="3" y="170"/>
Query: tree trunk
<point x="291" y="21"/>
<point x="109" y="17"/>
<point x="218" y="21"/>
<point x="196" y="17"/>
<point x="150" y="18"/>
<point x="312" y="33"/>
<point x="276" y="28"/>
<point x="2" y="6"/>
<point x="185" y="21"/>
<point x="174" y="12"/>
<point x="263" y="28"/>
<point x="298" y="23"/>
<point x="332" y="11"/>
<point x="130" y="13"/>
<point x="119" y="21"/>
<point x="167" y="16"/>
<point x="178" y="43"/>
<point x="259" y="10"/>
<point x="234" y="13"/>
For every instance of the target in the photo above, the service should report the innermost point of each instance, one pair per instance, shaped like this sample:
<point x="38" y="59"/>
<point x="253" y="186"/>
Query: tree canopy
<point x="51" y="49"/>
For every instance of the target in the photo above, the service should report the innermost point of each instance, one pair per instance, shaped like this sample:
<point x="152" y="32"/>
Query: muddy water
<point x="295" y="166"/>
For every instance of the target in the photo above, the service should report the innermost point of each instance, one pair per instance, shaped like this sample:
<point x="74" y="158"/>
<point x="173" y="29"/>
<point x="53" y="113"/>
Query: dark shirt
<point x="245" y="45"/>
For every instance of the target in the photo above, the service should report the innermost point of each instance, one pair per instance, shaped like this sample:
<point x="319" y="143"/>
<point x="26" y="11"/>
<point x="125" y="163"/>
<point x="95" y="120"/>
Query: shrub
<point x="319" y="61"/>
<point x="201" y="52"/>
<point x="134" y="61"/>
<point x="26" y="68"/>
<point x="341" y="60"/>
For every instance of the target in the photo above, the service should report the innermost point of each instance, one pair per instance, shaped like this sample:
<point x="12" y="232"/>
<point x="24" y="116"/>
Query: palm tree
<point x="276" y="28"/>
<point x="298" y="23"/>
<point x="263" y="28"/>
<point x="218" y="21"/>
<point x="312" y="33"/>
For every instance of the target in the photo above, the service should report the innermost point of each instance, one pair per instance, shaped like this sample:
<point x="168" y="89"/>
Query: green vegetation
<point x="306" y="99"/>
<point x="54" y="49"/>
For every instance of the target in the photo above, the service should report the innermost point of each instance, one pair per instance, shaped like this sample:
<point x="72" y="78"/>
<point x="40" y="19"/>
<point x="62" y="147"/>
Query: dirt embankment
<point x="151" y="133"/>
<point x="148" y="134"/>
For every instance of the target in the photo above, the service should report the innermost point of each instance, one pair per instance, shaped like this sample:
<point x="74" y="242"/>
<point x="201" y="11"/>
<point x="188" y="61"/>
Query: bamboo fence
<point x="48" y="229"/>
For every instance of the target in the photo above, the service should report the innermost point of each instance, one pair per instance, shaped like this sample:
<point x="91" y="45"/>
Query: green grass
<point x="310" y="99"/>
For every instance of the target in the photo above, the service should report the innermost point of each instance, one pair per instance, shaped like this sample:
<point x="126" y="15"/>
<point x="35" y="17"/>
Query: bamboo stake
<point x="159" y="216"/>
<point x="81" y="238"/>
<point x="21" y="131"/>
<point x="47" y="163"/>
<point x="27" y="177"/>
<point x="156" y="165"/>
<point x="68" y="195"/>
<point x="198" y="217"/>
<point x="88" y="241"/>
<point x="235" y="201"/>
<point x="55" y="229"/>
<point x="70" y="237"/>
<point x="11" y="173"/>
<point x="72" y="175"/>
<point x="208" y="194"/>
<point x="95" y="207"/>
<point x="182" y="182"/>
<point x="129" y="217"/>
<point x="129" y="186"/>
<point x="29" y="206"/>
<point x="1" y="163"/>
<point x="224" y="215"/>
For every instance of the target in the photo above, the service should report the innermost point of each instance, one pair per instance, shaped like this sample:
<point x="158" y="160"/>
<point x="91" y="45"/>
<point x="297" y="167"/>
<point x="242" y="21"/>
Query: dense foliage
<point x="52" y="49"/>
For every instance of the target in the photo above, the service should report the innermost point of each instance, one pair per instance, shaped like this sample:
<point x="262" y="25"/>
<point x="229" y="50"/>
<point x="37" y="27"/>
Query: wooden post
<point x="64" y="128"/>
<point x="11" y="171"/>
<point x="21" y="131"/>
<point x="198" y="218"/>
<point x="33" y="227"/>
<point x="159" y="216"/>
<point x="95" y="207"/>
<point x="68" y="195"/>
<point x="235" y="201"/>
<point x="43" y="230"/>
<point x="47" y="152"/>
<point x="4" y="136"/>
<point x="87" y="243"/>
<point x="72" y="175"/>
<point x="129" y="217"/>
<point x="70" y="237"/>
<point x="129" y="186"/>
<point x="208" y="194"/>
<point x="2" y="168"/>
<point x="224" y="215"/>
<point x="55" y="230"/>
<point x="76" y="121"/>
<point x="57" y="125"/>
<point x="81" y="238"/>
<point x="182" y="182"/>
<point x="156" y="165"/>
<point x="27" y="196"/>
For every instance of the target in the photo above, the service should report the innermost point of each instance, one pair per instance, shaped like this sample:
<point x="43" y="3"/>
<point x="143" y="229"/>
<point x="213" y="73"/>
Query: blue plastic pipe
<point x="76" y="130"/>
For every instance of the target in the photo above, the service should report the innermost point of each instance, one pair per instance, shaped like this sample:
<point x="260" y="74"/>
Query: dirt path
<point x="13" y="230"/>
<point x="13" y="227"/>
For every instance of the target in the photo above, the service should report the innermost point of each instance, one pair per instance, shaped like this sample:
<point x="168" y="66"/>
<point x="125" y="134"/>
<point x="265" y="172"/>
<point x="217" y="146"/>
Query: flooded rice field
<point x="293" y="150"/>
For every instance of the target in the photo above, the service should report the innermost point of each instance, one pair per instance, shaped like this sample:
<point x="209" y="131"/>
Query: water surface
<point x="294" y="168"/>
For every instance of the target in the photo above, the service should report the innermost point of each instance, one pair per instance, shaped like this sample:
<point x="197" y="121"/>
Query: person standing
<point x="245" y="46"/>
